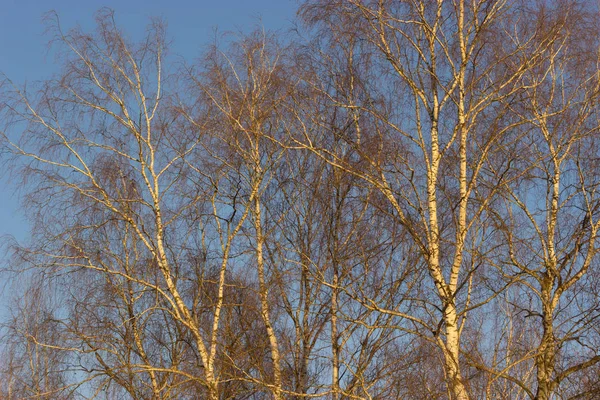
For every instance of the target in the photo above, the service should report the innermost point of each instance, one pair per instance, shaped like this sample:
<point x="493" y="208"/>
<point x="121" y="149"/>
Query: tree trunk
<point x="451" y="355"/>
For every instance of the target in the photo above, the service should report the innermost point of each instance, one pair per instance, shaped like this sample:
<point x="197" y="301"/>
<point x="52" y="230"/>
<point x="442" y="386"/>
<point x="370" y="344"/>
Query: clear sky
<point x="24" y="55"/>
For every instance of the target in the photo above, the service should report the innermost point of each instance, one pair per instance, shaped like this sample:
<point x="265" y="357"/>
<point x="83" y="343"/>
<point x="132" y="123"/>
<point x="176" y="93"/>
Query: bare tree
<point x="403" y="205"/>
<point x="422" y="84"/>
<point x="98" y="145"/>
<point x="549" y="216"/>
<point x="34" y="363"/>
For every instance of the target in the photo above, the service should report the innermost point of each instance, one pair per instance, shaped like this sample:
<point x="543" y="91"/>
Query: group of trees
<point x="399" y="200"/>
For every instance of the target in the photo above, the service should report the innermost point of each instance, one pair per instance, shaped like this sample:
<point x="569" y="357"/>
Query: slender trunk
<point x="264" y="301"/>
<point x="453" y="329"/>
<point x="213" y="391"/>
<point x="335" y="365"/>
<point x="544" y="360"/>
<point x="306" y="329"/>
<point x="452" y="353"/>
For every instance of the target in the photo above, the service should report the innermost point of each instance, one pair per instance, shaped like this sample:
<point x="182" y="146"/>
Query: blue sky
<point x="24" y="55"/>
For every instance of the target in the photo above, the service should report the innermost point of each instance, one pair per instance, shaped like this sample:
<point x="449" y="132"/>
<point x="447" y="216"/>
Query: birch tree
<point x="437" y="73"/>
<point x="549" y="217"/>
<point x="99" y="147"/>
<point x="400" y="204"/>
